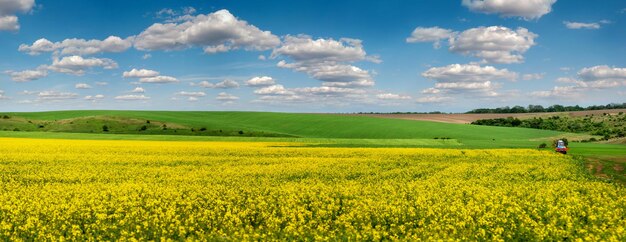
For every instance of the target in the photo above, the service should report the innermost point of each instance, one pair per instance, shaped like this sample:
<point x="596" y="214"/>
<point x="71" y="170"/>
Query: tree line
<point x="541" y="109"/>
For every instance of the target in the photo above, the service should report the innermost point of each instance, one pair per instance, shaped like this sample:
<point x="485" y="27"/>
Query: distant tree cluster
<point x="541" y="109"/>
<point x="607" y="126"/>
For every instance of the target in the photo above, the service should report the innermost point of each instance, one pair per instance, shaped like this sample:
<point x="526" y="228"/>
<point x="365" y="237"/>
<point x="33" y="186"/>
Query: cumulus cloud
<point x="602" y="73"/>
<point x="138" y="90"/>
<point x="225" y="84"/>
<point x="579" y="25"/>
<point x="225" y="97"/>
<point x="433" y="99"/>
<point x="215" y="32"/>
<point x="77" y="65"/>
<point x="82" y="86"/>
<point x="432" y="34"/>
<point x="327" y="60"/>
<point x="527" y="9"/>
<point x="131" y="97"/>
<point x="56" y="95"/>
<point x="8" y="11"/>
<point x="588" y="78"/>
<point x="78" y="46"/>
<point x="28" y="75"/>
<point x="159" y="79"/>
<point x="259" y="81"/>
<point x="2" y="96"/>
<point x="328" y="91"/>
<point x="532" y="76"/>
<point x="274" y="90"/>
<point x="191" y="94"/>
<point x="494" y="44"/>
<point x="149" y="76"/>
<point x="140" y="73"/>
<point x="94" y="97"/>
<point x="392" y="96"/>
<point x="467" y="79"/>
<point x="468" y="73"/>
<point x="9" y="23"/>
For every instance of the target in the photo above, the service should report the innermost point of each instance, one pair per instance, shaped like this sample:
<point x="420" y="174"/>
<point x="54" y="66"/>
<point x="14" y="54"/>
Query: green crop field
<point x="313" y="129"/>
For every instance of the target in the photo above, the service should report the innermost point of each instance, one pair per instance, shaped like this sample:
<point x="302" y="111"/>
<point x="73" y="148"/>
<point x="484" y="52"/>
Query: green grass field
<point x="313" y="129"/>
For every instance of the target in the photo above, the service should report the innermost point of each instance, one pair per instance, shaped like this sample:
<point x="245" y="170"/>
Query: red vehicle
<point x="560" y="147"/>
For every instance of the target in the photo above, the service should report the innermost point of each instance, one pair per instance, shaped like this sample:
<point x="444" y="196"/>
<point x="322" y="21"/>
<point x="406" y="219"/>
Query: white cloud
<point x="102" y="83"/>
<point x="146" y="56"/>
<point x="215" y="32"/>
<point x="78" y="46"/>
<point x="570" y="92"/>
<point x="222" y="96"/>
<point x="28" y="75"/>
<point x="589" y="78"/>
<point x="526" y="9"/>
<point x="2" y="96"/>
<point x="55" y="95"/>
<point x="140" y="73"/>
<point x="259" y="81"/>
<point x="159" y="79"/>
<point x="467" y="79"/>
<point x="432" y="34"/>
<point x="326" y="60"/>
<point x="392" y="96"/>
<point x="328" y="91"/>
<point x="226" y="84"/>
<point x="191" y="94"/>
<point x="273" y="90"/>
<point x="77" y="65"/>
<point x="131" y="97"/>
<point x="603" y="73"/>
<point x="94" y="97"/>
<point x="9" y="23"/>
<point x="494" y="44"/>
<point x="532" y="76"/>
<point x="8" y="11"/>
<point x="138" y="90"/>
<point x="468" y="73"/>
<point x="431" y="90"/>
<point x="82" y="86"/>
<point x="433" y="99"/>
<point x="579" y="25"/>
<point x="304" y="48"/>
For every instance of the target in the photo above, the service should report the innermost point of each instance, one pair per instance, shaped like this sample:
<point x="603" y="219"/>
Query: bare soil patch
<point x="463" y="118"/>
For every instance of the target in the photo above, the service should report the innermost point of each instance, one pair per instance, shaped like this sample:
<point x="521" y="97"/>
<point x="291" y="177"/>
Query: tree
<point x="105" y="128"/>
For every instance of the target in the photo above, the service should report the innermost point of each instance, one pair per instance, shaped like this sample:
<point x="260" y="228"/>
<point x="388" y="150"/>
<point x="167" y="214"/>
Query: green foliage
<point x="105" y="128"/>
<point x="607" y="126"/>
<point x="541" y="109"/>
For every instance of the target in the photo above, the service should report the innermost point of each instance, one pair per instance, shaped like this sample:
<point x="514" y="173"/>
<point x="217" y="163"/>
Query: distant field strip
<point x="53" y="189"/>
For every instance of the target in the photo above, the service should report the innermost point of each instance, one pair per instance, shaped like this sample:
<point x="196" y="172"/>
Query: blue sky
<point x="310" y="56"/>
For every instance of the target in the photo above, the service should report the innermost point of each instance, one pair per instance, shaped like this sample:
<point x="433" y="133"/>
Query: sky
<point x="310" y="56"/>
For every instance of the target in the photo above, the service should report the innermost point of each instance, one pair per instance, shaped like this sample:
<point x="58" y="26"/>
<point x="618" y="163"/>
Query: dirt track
<point x="462" y="118"/>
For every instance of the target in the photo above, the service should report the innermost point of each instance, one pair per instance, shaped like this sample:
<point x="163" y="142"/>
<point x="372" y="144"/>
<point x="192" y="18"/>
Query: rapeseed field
<point x="148" y="190"/>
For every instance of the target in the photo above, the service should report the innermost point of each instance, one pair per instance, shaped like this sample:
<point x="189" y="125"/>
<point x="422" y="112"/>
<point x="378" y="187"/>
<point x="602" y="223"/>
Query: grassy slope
<point x="313" y="125"/>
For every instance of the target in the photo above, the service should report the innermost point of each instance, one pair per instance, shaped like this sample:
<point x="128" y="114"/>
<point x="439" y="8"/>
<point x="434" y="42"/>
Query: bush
<point x="105" y="128"/>
<point x="41" y="126"/>
<point x="6" y="117"/>
<point x="143" y="128"/>
<point x="240" y="131"/>
<point x="164" y="127"/>
<point x="203" y="129"/>
<point x="147" y="121"/>
<point x="542" y="146"/>
<point x="16" y="129"/>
